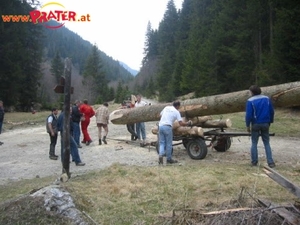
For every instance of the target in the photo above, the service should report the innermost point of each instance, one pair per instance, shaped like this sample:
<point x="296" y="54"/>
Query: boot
<point x="52" y="153"/>
<point x="100" y="143"/>
<point x="104" y="140"/>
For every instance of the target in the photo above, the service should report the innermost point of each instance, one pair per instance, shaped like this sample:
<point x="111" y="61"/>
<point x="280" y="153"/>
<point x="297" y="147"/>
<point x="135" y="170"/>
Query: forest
<point x="26" y="49"/>
<point x="221" y="46"/>
<point x="205" y="47"/>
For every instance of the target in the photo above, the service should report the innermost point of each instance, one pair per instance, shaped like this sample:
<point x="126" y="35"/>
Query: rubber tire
<point x="197" y="148"/>
<point x="223" y="144"/>
<point x="185" y="142"/>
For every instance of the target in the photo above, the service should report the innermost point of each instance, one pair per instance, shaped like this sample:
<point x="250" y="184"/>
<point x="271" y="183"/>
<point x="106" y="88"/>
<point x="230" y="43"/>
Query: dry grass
<point x="149" y="195"/>
<point x="135" y="195"/>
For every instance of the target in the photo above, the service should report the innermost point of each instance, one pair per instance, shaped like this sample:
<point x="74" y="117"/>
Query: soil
<point x="24" y="154"/>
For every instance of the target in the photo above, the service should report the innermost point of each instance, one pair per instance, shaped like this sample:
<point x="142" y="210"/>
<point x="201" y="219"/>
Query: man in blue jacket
<point x="73" y="145"/>
<point x="259" y="116"/>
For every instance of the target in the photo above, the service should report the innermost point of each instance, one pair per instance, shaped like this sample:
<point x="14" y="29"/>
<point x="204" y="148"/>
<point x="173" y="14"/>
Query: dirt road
<point x="24" y="154"/>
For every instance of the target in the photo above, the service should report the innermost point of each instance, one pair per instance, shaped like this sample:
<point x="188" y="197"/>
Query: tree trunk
<point x="179" y="131"/>
<point x="206" y="122"/>
<point x="283" y="95"/>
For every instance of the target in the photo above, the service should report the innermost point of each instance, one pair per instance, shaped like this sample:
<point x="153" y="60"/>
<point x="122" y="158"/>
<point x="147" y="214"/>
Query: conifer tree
<point x="57" y="67"/>
<point x="94" y="77"/>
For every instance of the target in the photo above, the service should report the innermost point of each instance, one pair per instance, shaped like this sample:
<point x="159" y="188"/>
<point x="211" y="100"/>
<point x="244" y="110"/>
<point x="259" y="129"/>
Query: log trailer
<point x="197" y="146"/>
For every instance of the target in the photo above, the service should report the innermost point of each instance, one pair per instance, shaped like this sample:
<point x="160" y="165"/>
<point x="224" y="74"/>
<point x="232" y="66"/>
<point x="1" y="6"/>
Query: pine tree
<point x="94" y="77"/>
<point x="57" y="67"/>
<point x="167" y="52"/>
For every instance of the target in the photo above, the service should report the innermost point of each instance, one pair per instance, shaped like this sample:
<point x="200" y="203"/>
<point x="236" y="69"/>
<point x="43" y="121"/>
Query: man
<point x="140" y="127"/>
<point x="102" y="116"/>
<point x="259" y="116"/>
<point x="87" y="112"/>
<point x="73" y="145"/>
<point x="130" y="126"/>
<point x="1" y="118"/>
<point x="76" y="118"/>
<point x="168" y="115"/>
<point x="51" y="126"/>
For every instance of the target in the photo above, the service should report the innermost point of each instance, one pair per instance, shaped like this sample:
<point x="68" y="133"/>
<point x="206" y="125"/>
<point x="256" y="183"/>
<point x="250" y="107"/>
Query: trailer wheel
<point x="185" y="142"/>
<point x="197" y="148"/>
<point x="223" y="144"/>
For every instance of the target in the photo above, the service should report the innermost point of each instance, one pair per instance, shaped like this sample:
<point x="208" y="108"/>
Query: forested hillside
<point x="31" y="60"/>
<point x="70" y="44"/>
<point x="211" y="47"/>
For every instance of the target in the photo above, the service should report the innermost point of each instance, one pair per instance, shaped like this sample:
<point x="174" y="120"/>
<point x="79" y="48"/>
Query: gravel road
<point x="24" y="154"/>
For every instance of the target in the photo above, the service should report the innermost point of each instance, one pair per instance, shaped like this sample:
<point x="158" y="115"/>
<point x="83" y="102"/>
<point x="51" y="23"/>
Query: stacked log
<point x="198" y="124"/>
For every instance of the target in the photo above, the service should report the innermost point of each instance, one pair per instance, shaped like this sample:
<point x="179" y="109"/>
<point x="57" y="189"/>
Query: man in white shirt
<point x="140" y="127"/>
<point x="168" y="115"/>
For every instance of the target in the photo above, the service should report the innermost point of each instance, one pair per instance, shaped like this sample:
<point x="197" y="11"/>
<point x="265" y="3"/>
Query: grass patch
<point x="135" y="195"/>
<point x="146" y="195"/>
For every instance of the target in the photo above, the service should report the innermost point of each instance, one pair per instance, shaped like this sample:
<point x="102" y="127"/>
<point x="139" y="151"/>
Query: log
<point x="196" y="121"/>
<point x="179" y="131"/>
<point x="217" y="124"/>
<point x="284" y="182"/>
<point x="282" y="95"/>
<point x="292" y="218"/>
<point x="206" y="122"/>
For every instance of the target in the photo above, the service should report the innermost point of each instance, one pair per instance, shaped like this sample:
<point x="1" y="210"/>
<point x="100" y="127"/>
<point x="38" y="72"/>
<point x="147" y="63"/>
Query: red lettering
<point x="51" y="15"/>
<point x="64" y="15"/>
<point x="34" y="14"/>
<point x="43" y="17"/>
<point x="72" y="15"/>
<point x="59" y="14"/>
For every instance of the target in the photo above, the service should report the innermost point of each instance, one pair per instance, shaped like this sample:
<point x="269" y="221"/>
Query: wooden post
<point x="66" y="132"/>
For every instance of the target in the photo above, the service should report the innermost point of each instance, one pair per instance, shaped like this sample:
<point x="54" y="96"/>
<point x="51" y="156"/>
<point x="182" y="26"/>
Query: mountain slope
<point x="70" y="44"/>
<point x="132" y="71"/>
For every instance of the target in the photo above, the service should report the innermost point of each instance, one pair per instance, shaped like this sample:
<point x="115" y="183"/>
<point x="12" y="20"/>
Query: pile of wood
<point x="198" y="123"/>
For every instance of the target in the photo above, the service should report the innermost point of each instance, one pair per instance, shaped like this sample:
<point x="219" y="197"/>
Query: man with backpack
<point x="51" y="127"/>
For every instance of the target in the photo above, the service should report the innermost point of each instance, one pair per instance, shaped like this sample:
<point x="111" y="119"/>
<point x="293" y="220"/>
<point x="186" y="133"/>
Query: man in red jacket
<point x="87" y="112"/>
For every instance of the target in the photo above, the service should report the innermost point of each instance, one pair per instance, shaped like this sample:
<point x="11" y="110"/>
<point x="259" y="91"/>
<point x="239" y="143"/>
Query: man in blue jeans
<point x="259" y="116"/>
<point x="168" y="115"/>
<point x="140" y="127"/>
<point x="73" y="145"/>
<point x="76" y="118"/>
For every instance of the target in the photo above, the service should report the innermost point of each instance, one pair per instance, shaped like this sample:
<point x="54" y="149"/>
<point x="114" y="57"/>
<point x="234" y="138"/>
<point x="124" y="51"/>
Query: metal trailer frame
<point x="197" y="146"/>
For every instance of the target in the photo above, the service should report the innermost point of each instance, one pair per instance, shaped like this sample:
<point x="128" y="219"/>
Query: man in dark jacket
<point x="73" y="145"/>
<point x="51" y="127"/>
<point x="76" y="118"/>
<point x="259" y="116"/>
<point x="1" y="118"/>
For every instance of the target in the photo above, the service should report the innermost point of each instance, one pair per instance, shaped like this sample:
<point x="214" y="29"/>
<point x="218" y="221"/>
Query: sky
<point x="117" y="27"/>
